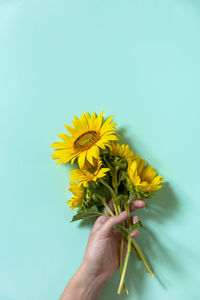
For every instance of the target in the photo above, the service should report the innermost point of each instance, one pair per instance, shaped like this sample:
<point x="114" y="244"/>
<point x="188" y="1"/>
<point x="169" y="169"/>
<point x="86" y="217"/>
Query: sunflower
<point x="88" y="173"/>
<point x="143" y="178"/>
<point x="77" y="199"/>
<point x="88" y="135"/>
<point x="122" y="150"/>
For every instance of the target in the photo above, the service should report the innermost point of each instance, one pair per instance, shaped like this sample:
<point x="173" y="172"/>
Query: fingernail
<point x="135" y="233"/>
<point x="124" y="213"/>
<point x="135" y="220"/>
<point x="140" y="202"/>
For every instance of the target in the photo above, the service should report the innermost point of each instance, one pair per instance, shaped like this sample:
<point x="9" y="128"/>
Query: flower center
<point x="86" y="140"/>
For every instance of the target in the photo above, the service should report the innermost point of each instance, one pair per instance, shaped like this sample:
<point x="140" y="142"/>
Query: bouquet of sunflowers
<point x="106" y="170"/>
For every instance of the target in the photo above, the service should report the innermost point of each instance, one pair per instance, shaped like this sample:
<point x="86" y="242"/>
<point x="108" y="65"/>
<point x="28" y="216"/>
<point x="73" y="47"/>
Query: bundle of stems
<point x="131" y="242"/>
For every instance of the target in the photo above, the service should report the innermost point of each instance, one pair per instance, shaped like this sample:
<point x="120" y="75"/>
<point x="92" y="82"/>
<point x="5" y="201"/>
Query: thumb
<point x="106" y="228"/>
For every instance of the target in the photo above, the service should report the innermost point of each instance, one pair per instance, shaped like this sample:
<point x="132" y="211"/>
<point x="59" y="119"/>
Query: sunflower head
<point x="78" y="195"/>
<point x="89" y="173"/>
<point x="143" y="178"/>
<point x="123" y="151"/>
<point x="85" y="139"/>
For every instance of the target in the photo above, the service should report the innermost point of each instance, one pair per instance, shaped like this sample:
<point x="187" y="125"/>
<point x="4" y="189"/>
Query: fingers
<point x="134" y="219"/>
<point x="135" y="232"/>
<point x="137" y="204"/>
<point x="101" y="220"/>
<point x="107" y="223"/>
<point x="106" y="228"/>
<point x="133" y="206"/>
<point x="98" y="223"/>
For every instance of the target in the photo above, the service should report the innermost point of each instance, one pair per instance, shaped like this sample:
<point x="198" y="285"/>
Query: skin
<point x="102" y="256"/>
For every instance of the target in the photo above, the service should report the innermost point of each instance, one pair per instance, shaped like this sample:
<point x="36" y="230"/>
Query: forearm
<point x="83" y="287"/>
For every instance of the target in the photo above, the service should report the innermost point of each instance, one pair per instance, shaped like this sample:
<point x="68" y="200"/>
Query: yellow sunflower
<point x="88" y="173"/>
<point x="77" y="190"/>
<point x="143" y="178"/>
<point x="88" y="135"/>
<point x="122" y="150"/>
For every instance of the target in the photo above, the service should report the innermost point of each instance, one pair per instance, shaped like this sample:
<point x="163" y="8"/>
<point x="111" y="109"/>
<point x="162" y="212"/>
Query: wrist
<point x="90" y="276"/>
<point x="83" y="285"/>
<point x="88" y="286"/>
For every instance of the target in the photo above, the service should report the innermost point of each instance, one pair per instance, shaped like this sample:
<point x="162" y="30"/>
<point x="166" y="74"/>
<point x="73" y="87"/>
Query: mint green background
<point x="136" y="60"/>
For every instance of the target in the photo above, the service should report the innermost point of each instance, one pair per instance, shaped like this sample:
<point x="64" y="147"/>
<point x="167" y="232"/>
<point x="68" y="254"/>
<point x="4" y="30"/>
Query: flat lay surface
<point x="136" y="60"/>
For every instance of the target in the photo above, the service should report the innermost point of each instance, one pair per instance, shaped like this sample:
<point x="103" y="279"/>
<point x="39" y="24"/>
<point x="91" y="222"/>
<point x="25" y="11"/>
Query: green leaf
<point x="125" y="231"/>
<point x="137" y="225"/>
<point x="121" y="229"/>
<point x="83" y="214"/>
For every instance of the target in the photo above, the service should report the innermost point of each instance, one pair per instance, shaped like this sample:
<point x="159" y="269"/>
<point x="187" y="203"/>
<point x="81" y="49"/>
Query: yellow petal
<point x="98" y="121"/>
<point x="105" y="125"/>
<point x="148" y="174"/>
<point x="89" y="156"/>
<point x="70" y="129"/>
<point x="81" y="159"/>
<point x="65" y="137"/>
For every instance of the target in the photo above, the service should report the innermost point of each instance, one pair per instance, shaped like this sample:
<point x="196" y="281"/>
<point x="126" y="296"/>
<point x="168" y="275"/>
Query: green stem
<point x="141" y="255"/>
<point x="125" y="265"/>
<point x="108" y="208"/>
<point x="109" y="188"/>
<point x="121" y="262"/>
<point x="122" y="241"/>
<point x="103" y="200"/>
<point x="118" y="209"/>
<point x="135" y="251"/>
<point x="114" y="182"/>
<point x="121" y="253"/>
<point x="112" y="193"/>
<point x="127" y="253"/>
<point x="115" y="208"/>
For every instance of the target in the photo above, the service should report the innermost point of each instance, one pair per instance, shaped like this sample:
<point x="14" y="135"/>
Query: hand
<point x="102" y="256"/>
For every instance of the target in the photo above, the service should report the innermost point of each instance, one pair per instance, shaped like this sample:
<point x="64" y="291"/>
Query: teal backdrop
<point x="136" y="60"/>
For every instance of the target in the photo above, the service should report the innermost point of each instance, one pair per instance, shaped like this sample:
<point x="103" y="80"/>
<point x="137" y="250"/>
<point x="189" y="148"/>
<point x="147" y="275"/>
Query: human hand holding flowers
<point x="97" y="267"/>
<point x="106" y="170"/>
<point x="103" y="250"/>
